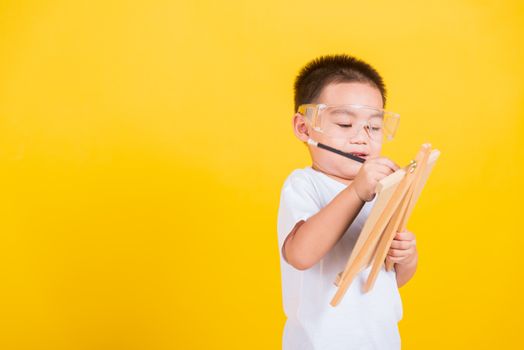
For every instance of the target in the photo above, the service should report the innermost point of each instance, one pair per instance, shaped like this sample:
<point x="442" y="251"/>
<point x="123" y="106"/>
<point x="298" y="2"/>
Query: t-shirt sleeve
<point x="298" y="201"/>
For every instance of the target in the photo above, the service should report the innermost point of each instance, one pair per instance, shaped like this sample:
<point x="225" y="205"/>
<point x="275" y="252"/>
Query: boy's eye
<point x="344" y="125"/>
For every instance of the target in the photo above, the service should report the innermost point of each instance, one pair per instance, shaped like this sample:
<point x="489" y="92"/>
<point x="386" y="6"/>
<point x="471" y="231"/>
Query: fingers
<point x="396" y="244"/>
<point x="397" y="259"/>
<point x="401" y="253"/>
<point x="402" y="260"/>
<point x="373" y="170"/>
<point x="405" y="236"/>
<point x="378" y="170"/>
<point x="402" y="246"/>
<point x="388" y="163"/>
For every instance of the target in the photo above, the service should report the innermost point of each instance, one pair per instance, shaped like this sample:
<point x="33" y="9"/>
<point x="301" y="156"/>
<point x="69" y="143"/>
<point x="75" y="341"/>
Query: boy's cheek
<point x="375" y="148"/>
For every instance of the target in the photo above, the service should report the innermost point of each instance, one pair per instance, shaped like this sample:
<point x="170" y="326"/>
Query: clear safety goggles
<point x="346" y="121"/>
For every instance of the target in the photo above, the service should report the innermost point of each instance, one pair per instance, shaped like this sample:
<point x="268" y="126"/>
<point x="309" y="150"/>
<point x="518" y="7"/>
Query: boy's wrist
<point x="351" y="189"/>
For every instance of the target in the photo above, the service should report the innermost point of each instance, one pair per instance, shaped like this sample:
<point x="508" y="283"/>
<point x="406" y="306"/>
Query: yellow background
<point x="143" y="146"/>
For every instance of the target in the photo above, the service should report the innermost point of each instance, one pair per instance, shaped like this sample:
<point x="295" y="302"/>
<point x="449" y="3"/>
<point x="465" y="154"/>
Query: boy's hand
<point x="372" y="171"/>
<point x="403" y="248"/>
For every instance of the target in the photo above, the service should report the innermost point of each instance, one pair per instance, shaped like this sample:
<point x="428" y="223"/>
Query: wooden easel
<point x="396" y="198"/>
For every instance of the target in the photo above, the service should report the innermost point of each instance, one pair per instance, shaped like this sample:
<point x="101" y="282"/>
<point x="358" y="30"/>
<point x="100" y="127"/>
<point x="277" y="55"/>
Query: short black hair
<point x="328" y="69"/>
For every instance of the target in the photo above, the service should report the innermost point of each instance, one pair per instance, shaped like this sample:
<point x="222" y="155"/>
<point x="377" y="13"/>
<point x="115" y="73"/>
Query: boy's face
<point x="330" y="163"/>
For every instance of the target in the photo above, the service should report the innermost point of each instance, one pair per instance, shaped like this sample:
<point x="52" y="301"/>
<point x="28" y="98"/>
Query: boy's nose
<point x="361" y="135"/>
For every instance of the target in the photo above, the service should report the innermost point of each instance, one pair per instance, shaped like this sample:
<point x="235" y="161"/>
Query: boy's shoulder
<point x="307" y="176"/>
<point x="300" y="195"/>
<point x="303" y="183"/>
<point x="300" y="176"/>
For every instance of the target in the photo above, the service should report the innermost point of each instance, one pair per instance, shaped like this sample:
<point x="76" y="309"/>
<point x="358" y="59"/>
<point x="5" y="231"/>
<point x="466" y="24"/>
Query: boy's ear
<point x="300" y="127"/>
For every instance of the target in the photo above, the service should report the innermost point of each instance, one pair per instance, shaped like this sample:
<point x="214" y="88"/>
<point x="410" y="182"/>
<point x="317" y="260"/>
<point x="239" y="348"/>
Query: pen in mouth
<point x="337" y="151"/>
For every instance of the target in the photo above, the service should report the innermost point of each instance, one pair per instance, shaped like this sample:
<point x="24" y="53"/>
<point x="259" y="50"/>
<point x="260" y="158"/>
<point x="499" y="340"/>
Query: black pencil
<point x="337" y="151"/>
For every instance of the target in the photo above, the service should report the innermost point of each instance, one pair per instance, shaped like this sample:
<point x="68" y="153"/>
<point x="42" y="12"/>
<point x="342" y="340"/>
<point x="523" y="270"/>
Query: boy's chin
<point x="349" y="173"/>
<point x="347" y="169"/>
<point x="352" y="169"/>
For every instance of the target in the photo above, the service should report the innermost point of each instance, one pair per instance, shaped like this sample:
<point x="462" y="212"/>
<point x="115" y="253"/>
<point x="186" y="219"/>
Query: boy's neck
<point x="334" y="177"/>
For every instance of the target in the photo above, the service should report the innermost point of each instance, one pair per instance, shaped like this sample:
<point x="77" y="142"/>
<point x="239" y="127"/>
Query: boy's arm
<point x="404" y="254"/>
<point x="310" y="240"/>
<point x="406" y="271"/>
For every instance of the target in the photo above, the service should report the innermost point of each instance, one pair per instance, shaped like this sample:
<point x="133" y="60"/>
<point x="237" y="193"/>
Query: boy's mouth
<point x="358" y="154"/>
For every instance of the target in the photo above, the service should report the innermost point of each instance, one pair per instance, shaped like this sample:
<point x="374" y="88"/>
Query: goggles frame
<point x="312" y="113"/>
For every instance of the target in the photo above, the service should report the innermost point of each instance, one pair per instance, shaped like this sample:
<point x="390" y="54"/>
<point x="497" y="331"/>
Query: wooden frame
<point x="396" y="197"/>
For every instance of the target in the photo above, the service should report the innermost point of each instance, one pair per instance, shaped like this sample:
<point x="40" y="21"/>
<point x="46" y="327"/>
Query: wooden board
<point x="385" y="189"/>
<point x="434" y="155"/>
<point x="392" y="228"/>
<point x="370" y="236"/>
<point x="396" y="197"/>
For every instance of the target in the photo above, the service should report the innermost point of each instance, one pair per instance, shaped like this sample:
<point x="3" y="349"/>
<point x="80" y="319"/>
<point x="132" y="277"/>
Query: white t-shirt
<point x="360" y="320"/>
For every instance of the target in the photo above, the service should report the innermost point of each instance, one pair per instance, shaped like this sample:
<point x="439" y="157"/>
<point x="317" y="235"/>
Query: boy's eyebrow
<point x="346" y="111"/>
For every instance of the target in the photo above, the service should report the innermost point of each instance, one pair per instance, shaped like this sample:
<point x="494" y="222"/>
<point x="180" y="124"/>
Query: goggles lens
<point x="346" y="121"/>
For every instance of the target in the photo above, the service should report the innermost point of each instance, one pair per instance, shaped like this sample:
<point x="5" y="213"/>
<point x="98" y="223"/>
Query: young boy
<point x="323" y="208"/>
